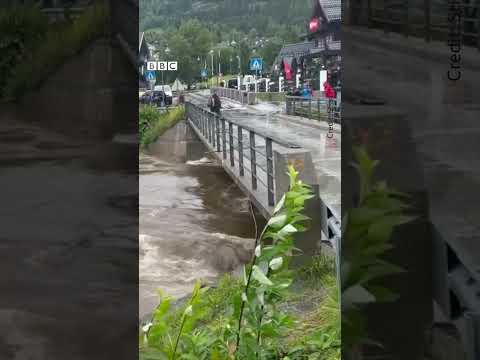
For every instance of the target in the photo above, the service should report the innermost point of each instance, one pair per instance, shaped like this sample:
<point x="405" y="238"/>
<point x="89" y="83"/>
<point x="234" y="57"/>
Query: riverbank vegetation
<point x="271" y="312"/>
<point x="367" y="238"/>
<point x="153" y="123"/>
<point x="36" y="49"/>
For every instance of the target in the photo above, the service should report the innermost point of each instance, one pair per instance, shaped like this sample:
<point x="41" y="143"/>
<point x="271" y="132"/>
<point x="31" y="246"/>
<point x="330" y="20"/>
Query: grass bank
<point x="311" y="304"/>
<point x="153" y="123"/>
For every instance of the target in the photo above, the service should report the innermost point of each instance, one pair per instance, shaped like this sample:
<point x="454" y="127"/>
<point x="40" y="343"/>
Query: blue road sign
<point x="204" y="72"/>
<point x="256" y="64"/>
<point x="150" y="75"/>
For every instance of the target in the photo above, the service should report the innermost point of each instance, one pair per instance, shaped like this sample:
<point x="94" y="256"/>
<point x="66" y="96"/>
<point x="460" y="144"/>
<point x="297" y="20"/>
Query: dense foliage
<point x="246" y="319"/>
<point x="21" y="28"/>
<point x="267" y="16"/>
<point x="190" y="29"/>
<point x="190" y="44"/>
<point x="47" y="49"/>
<point x="368" y="229"/>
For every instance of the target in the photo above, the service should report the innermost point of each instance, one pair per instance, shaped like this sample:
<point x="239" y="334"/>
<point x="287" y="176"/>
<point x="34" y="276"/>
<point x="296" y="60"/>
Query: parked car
<point x="155" y="97"/>
<point x="167" y="90"/>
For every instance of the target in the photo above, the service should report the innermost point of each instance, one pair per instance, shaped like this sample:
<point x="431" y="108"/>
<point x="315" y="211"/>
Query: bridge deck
<point x="269" y="119"/>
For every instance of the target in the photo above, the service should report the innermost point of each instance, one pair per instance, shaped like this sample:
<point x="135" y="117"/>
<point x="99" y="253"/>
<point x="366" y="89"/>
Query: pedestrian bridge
<point x="258" y="161"/>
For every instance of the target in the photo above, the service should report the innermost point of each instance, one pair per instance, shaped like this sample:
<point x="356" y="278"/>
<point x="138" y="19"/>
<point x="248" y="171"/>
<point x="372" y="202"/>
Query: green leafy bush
<point x="57" y="46"/>
<point x="21" y="28"/>
<point x="367" y="231"/>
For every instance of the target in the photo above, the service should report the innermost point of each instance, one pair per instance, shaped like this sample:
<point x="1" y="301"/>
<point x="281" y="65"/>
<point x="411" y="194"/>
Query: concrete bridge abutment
<point x="308" y="242"/>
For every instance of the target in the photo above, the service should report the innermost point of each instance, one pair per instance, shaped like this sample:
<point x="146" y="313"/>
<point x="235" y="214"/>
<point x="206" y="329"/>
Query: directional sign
<point x="256" y="64"/>
<point x="204" y="73"/>
<point x="150" y="75"/>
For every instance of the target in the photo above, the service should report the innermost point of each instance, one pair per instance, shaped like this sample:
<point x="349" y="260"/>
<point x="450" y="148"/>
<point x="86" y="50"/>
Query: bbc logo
<point x="162" y="65"/>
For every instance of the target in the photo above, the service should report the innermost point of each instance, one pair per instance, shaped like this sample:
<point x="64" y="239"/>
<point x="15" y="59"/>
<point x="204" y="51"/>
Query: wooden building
<point x="320" y="49"/>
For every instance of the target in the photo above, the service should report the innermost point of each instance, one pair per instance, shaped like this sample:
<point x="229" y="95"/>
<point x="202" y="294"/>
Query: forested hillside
<point x="235" y="29"/>
<point x="243" y="15"/>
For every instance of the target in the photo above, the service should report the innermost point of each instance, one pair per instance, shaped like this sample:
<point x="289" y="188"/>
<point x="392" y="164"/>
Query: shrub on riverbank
<point x="21" y="28"/>
<point x="272" y="313"/>
<point x="52" y="48"/>
<point x="152" y="123"/>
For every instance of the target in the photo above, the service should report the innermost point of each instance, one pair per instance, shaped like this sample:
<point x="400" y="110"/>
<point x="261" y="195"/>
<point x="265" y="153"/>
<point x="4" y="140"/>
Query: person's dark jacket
<point x="215" y="104"/>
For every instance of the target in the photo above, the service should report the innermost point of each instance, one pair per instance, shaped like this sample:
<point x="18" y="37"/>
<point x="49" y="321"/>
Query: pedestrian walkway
<point x="270" y="119"/>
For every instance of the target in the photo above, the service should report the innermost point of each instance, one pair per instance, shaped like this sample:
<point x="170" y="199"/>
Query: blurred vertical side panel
<point x="68" y="180"/>
<point x="412" y="101"/>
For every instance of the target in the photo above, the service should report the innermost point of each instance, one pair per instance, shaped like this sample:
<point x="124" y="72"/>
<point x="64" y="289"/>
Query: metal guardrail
<point x="461" y="288"/>
<point x="238" y="144"/>
<point x="251" y="151"/>
<point x="427" y="20"/>
<point x="314" y="108"/>
<point x="62" y="13"/>
<point x="243" y="97"/>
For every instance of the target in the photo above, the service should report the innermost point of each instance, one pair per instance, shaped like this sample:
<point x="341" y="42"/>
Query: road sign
<point x="256" y="64"/>
<point x="204" y="73"/>
<point x="150" y="75"/>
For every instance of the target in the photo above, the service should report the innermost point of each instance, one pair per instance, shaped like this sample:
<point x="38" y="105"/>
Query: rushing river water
<point x="194" y="222"/>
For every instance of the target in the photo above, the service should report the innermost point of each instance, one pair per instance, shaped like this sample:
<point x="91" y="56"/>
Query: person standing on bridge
<point x="214" y="103"/>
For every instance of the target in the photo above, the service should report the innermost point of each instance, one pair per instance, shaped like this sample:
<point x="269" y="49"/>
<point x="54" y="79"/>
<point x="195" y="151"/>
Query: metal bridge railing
<point x="427" y="19"/>
<point x="243" y="97"/>
<point x="251" y="154"/>
<point x="314" y="108"/>
<point x="246" y="149"/>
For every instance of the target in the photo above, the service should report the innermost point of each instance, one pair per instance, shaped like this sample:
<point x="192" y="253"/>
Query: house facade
<point x="302" y="63"/>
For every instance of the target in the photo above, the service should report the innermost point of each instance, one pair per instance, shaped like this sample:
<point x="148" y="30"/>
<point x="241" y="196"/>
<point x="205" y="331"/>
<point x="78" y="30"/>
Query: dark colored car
<point x="167" y="90"/>
<point x="159" y="98"/>
<point x="146" y="98"/>
<point x="232" y="84"/>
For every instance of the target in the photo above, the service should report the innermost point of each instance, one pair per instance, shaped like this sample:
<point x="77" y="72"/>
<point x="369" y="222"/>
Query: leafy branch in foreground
<point x="268" y="277"/>
<point x="367" y="232"/>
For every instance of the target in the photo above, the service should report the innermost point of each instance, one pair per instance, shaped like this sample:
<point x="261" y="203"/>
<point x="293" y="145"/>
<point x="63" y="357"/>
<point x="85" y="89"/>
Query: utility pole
<point x="219" y="68"/>
<point x="213" y="69"/>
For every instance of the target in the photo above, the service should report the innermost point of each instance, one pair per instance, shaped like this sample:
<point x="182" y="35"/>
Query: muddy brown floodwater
<point x="194" y="222"/>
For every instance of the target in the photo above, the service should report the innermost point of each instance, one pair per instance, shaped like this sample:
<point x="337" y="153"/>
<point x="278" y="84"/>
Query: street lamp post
<point x="219" y="67"/>
<point x="167" y="51"/>
<point x="239" y="78"/>
<point x="213" y="69"/>
<point x="239" y="65"/>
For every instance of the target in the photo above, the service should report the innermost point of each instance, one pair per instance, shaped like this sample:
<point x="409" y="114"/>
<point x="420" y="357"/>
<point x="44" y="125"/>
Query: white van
<point x="165" y="88"/>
